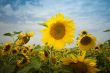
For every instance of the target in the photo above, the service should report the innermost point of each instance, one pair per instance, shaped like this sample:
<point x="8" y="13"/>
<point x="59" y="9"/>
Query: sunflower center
<point x="79" y="67"/>
<point x="7" y="48"/>
<point x="31" y="50"/>
<point x="96" y="47"/>
<point x="84" y="32"/>
<point x="24" y="51"/>
<point x="86" y="40"/>
<point x="57" y="31"/>
<point x="46" y="53"/>
<point x="14" y="51"/>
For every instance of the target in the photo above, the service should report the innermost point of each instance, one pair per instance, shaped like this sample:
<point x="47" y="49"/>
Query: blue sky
<point x="25" y="15"/>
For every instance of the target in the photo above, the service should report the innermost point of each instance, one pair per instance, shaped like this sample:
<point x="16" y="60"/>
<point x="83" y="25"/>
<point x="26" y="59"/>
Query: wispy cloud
<point x="26" y="14"/>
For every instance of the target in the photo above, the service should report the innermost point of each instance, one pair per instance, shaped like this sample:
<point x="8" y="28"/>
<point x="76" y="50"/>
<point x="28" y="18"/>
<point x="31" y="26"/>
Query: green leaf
<point x="108" y="30"/>
<point x="17" y="32"/>
<point x="35" y="63"/>
<point x="7" y="34"/>
<point x="43" y="24"/>
<point x="37" y="47"/>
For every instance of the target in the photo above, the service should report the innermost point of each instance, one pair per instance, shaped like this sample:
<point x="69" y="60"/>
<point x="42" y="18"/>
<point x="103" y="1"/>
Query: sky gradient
<point x="25" y="15"/>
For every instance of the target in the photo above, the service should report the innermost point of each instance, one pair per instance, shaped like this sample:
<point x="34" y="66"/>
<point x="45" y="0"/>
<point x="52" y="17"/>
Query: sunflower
<point x="30" y="47"/>
<point x="53" y="59"/>
<point x="7" y="48"/>
<point x="79" y="64"/>
<point x="43" y="55"/>
<point x="97" y="47"/>
<point x="20" y="42"/>
<point x="23" y="38"/>
<point x="21" y="35"/>
<point x="14" y="51"/>
<point x="86" y="42"/>
<point x="22" y="62"/>
<point x="24" y="50"/>
<point x="65" y="50"/>
<point x="83" y="32"/>
<point x="30" y="34"/>
<point x="59" y="31"/>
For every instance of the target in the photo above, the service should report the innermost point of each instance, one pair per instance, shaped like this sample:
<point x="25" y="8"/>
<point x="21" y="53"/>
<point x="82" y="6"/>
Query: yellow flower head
<point x="30" y="47"/>
<point x="83" y="32"/>
<point x="30" y="34"/>
<point x="65" y="50"/>
<point x="7" y="47"/>
<point x="22" y="62"/>
<point x="20" y="42"/>
<point x="80" y="64"/>
<point x="53" y="60"/>
<point x="59" y="31"/>
<point x="21" y="35"/>
<point x="15" y="50"/>
<point x="97" y="47"/>
<point x="86" y="42"/>
<point x="18" y="62"/>
<point x="42" y="55"/>
<point x="24" y="50"/>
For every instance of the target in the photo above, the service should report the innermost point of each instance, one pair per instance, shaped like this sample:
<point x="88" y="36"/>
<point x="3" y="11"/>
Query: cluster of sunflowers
<point x="53" y="56"/>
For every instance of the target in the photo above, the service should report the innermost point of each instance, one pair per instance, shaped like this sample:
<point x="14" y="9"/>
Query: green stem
<point x="14" y="43"/>
<point x="50" y="64"/>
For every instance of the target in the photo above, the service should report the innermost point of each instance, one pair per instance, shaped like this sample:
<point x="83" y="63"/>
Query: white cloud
<point x="86" y="15"/>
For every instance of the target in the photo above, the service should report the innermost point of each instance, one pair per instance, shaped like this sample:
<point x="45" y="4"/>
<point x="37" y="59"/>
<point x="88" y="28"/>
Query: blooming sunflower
<point x="43" y="55"/>
<point x="53" y="59"/>
<point x="97" y="47"/>
<point x="79" y="64"/>
<point x="59" y="31"/>
<point x="30" y="34"/>
<point x="7" y="48"/>
<point x="83" y="32"/>
<point x="86" y="42"/>
<point x="22" y="62"/>
<point x="24" y="50"/>
<point x="20" y="42"/>
<point x="21" y="35"/>
<point x="14" y="51"/>
<point x="30" y="47"/>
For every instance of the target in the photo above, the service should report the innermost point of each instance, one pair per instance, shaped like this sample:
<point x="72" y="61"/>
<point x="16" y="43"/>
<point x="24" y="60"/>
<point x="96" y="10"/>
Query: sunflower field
<point x="52" y="56"/>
